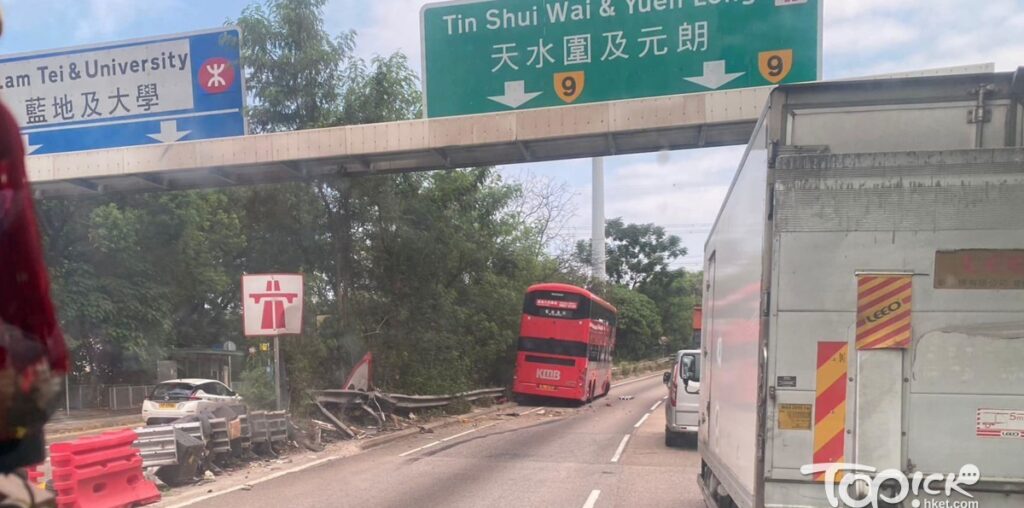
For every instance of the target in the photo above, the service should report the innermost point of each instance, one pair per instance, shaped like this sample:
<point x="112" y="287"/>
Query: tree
<point x="294" y="68"/>
<point x="639" y="258"/>
<point x="427" y="270"/>
<point x="640" y="330"/>
<point x="137" y="276"/>
<point x="636" y="253"/>
<point x="675" y="293"/>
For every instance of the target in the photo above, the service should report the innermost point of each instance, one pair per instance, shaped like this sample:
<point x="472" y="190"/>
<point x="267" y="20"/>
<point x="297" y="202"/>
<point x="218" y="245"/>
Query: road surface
<point x="611" y="453"/>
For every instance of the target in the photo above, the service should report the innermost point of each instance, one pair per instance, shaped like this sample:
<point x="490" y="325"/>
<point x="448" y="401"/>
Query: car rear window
<point x="171" y="391"/>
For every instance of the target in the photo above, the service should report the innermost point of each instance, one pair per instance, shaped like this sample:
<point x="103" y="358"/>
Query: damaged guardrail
<point x="157" y="445"/>
<point x="394" y="401"/>
<point x="379" y="405"/>
<point x="180" y="451"/>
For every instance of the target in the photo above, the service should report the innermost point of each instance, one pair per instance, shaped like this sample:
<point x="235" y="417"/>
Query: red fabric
<point x="25" y="306"/>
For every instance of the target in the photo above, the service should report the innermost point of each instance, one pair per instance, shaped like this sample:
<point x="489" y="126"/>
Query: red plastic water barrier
<point x="35" y="476"/>
<point x="100" y="472"/>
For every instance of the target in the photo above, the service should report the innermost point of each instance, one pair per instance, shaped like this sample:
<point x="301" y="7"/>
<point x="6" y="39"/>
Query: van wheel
<point x="671" y="439"/>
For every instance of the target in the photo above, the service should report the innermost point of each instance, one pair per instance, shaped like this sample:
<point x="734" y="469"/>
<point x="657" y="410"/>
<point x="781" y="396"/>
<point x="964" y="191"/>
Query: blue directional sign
<point x="160" y="90"/>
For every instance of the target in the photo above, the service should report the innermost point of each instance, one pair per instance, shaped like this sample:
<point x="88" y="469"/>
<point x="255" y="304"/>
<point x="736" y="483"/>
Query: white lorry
<point x="863" y="332"/>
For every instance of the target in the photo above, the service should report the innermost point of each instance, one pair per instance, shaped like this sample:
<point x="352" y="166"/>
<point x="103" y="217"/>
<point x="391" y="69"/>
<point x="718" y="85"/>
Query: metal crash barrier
<point x="277" y="425"/>
<point x="158" y="446"/>
<point x="220" y="440"/>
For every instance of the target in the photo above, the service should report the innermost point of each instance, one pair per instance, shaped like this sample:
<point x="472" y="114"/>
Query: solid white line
<point x="642" y="420"/>
<point x="637" y="380"/>
<point x="655" y="406"/>
<point x="534" y="410"/>
<point x="257" y="481"/>
<point x="592" y="500"/>
<point x="424" y="447"/>
<point x="470" y="431"/>
<point x="302" y="468"/>
<point x="445" y="440"/>
<point x="622" y="448"/>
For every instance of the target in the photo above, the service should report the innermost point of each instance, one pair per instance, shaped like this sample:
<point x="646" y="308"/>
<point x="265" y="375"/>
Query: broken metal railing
<point x="378" y="405"/>
<point x="158" y="447"/>
<point x="394" y="401"/>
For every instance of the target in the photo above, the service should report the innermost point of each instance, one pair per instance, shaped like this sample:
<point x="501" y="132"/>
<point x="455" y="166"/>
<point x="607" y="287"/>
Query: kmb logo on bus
<point x="549" y="374"/>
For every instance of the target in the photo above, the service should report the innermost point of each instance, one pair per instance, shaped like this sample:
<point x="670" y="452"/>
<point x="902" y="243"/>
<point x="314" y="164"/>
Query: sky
<point x="681" y="191"/>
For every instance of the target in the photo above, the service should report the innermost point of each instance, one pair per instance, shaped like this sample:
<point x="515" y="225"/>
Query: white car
<point x="179" y="398"/>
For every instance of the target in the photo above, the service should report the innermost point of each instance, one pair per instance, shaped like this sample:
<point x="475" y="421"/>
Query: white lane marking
<point x="470" y="431"/>
<point x="445" y="440"/>
<point x="637" y="380"/>
<point x="534" y="410"/>
<point x="424" y="447"/>
<point x="642" y="420"/>
<point x="258" y="481"/>
<point x="303" y="467"/>
<point x="655" y="406"/>
<point x="622" y="448"/>
<point x="592" y="499"/>
<point x="664" y="398"/>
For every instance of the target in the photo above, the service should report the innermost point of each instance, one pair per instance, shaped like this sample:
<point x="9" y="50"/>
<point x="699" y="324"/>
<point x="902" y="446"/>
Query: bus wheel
<point x="607" y="388"/>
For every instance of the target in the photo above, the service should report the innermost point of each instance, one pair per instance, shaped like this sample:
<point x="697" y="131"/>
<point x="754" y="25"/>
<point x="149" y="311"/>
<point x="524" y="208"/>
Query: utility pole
<point x="597" y="234"/>
<point x="277" y="371"/>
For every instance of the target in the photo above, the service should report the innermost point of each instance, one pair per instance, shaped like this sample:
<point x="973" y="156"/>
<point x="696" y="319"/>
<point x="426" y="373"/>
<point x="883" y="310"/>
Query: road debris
<point x="626" y="397"/>
<point x="359" y="414"/>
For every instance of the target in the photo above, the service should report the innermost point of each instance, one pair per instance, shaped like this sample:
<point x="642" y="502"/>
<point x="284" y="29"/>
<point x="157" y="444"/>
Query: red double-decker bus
<point x="566" y="339"/>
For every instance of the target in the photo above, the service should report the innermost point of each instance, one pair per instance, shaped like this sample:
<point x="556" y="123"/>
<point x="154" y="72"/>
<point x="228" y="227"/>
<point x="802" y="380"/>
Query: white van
<point x="681" y="413"/>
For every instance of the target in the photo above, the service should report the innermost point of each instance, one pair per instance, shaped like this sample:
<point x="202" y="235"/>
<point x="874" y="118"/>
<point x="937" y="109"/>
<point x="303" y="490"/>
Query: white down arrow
<point x="169" y="132"/>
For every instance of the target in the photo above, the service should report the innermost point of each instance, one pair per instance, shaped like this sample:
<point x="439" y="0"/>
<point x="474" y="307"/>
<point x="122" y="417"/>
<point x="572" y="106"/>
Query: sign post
<point x="522" y="54"/>
<point x="271" y="307"/>
<point x="165" y="89"/>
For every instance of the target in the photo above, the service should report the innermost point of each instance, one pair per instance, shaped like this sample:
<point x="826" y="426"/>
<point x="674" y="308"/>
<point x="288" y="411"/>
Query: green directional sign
<point x="488" y="56"/>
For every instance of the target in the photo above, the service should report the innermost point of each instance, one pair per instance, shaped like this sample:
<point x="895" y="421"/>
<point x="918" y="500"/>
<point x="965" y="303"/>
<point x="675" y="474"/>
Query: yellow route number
<point x="775" y="65"/>
<point x="569" y="85"/>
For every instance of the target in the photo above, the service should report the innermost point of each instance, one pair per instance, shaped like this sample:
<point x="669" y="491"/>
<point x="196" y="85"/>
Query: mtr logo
<point x="216" y="75"/>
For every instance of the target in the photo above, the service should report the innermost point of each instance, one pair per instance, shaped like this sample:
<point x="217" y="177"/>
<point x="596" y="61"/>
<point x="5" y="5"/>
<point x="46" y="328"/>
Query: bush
<point x="458" y="407"/>
<point x="257" y="388"/>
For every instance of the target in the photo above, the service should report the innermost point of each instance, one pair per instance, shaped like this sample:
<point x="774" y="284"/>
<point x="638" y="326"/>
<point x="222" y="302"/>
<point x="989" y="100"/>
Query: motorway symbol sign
<point x="272" y="304"/>
<point x="486" y="56"/>
<point x="159" y="90"/>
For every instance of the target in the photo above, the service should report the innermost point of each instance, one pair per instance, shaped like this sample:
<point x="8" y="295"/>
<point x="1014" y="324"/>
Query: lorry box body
<point x="905" y="192"/>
